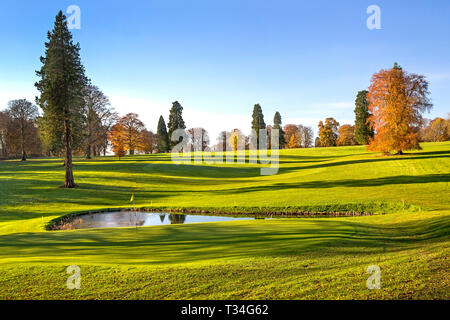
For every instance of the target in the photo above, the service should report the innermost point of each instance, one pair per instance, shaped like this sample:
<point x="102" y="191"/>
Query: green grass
<point x="287" y="258"/>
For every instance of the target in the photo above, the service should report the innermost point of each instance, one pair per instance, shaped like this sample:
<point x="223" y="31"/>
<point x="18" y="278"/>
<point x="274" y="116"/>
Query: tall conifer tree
<point x="277" y="125"/>
<point x="163" y="137"/>
<point x="257" y="124"/>
<point x="62" y="80"/>
<point x="175" y="122"/>
<point x="363" y="131"/>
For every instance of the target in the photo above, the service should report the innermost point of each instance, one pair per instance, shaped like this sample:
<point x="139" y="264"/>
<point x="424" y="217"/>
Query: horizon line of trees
<point x="23" y="131"/>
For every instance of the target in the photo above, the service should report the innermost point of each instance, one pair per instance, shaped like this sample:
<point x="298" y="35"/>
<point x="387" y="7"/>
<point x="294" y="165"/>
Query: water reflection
<point x="132" y="219"/>
<point x="177" y="218"/>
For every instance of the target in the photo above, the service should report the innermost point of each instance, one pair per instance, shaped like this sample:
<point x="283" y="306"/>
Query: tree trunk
<point x="69" y="181"/>
<point x="400" y="152"/>
<point x="3" y="146"/>
<point x="22" y="132"/>
<point x="88" y="152"/>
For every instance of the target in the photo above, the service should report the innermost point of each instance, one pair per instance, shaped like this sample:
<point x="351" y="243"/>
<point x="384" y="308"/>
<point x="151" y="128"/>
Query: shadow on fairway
<point x="349" y="183"/>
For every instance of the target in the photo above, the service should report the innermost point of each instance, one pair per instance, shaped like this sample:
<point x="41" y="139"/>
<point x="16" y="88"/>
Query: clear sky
<point x="305" y="59"/>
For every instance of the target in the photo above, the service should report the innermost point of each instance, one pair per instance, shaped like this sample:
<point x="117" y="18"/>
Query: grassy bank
<point x="282" y="258"/>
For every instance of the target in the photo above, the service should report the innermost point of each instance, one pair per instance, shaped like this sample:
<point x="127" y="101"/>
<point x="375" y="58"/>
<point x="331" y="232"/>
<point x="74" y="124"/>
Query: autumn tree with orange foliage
<point x="346" y="135"/>
<point x="293" y="142"/>
<point x="397" y="100"/>
<point x="129" y="134"/>
<point x="133" y="131"/>
<point x="117" y="138"/>
<point x="149" y="142"/>
<point x="290" y="130"/>
<point x="298" y="136"/>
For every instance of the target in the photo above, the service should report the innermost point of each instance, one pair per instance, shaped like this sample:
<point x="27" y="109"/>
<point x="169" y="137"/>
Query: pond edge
<point x="324" y="210"/>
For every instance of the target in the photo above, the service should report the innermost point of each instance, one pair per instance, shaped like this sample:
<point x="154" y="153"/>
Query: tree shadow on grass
<point x="349" y="183"/>
<point x="416" y="156"/>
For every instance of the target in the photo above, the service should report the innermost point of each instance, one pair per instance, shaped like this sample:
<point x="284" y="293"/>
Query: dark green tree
<point x="61" y="85"/>
<point x="277" y="125"/>
<point x="175" y="122"/>
<point x="163" y="137"/>
<point x="257" y="124"/>
<point x="397" y="66"/>
<point x="363" y="130"/>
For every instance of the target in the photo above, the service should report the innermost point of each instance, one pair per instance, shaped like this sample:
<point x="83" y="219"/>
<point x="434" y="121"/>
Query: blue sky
<point x="306" y="59"/>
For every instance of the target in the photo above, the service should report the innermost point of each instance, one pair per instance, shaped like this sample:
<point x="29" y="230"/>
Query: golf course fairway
<point x="282" y="258"/>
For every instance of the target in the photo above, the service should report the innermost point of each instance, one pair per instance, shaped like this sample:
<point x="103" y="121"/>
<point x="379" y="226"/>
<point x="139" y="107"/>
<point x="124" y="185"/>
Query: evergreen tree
<point x="163" y="137"/>
<point x="363" y="130"/>
<point x="175" y="122"/>
<point x="62" y="80"/>
<point x="257" y="124"/>
<point x="277" y="125"/>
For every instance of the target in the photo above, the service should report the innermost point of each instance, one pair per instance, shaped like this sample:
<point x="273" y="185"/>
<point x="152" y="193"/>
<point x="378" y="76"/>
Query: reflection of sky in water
<point x="131" y="219"/>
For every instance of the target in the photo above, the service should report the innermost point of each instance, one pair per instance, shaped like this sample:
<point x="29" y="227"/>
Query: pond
<point x="139" y="219"/>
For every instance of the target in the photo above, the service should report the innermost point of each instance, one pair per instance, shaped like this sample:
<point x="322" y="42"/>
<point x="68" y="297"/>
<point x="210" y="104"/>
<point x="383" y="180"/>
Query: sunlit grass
<point x="286" y="258"/>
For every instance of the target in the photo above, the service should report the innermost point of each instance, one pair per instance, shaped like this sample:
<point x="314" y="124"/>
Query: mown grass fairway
<point x="292" y="258"/>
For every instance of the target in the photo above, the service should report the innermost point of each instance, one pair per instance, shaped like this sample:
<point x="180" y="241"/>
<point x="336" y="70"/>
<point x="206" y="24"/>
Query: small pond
<point x="139" y="219"/>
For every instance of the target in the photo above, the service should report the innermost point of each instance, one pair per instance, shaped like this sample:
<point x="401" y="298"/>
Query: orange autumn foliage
<point x="291" y="135"/>
<point x="346" y="135"/>
<point x="117" y="137"/>
<point x="293" y="142"/>
<point x="397" y="100"/>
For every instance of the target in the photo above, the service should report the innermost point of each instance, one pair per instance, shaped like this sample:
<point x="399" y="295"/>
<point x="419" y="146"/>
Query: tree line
<point x="129" y="135"/>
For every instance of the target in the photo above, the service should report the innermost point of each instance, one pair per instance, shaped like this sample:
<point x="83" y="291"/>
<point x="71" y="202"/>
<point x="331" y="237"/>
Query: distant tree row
<point x="129" y="135"/>
<point x="435" y="130"/>
<point x="24" y="133"/>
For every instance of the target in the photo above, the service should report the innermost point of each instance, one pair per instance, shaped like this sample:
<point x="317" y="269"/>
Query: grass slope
<point x="265" y="259"/>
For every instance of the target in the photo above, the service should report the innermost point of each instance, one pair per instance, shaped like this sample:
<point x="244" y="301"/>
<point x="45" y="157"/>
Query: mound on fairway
<point x="288" y="258"/>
